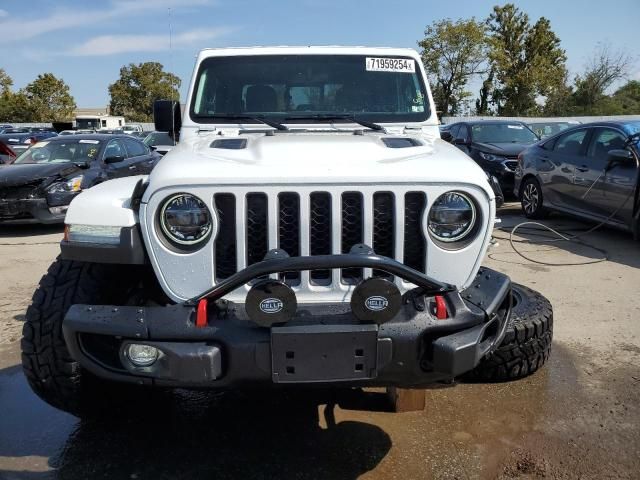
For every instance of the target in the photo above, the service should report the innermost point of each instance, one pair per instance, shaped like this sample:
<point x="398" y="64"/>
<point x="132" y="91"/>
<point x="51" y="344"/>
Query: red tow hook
<point x="201" y="313"/>
<point x="441" y="308"/>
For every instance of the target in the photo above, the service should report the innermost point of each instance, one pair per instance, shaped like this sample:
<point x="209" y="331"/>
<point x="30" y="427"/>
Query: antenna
<point x="173" y="115"/>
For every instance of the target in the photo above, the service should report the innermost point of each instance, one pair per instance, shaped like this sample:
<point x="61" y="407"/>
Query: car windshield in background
<point x="550" y="128"/>
<point x="283" y="87"/>
<point x="61" y="152"/>
<point x="17" y="130"/>
<point x="502" y="133"/>
<point x="158" y="138"/>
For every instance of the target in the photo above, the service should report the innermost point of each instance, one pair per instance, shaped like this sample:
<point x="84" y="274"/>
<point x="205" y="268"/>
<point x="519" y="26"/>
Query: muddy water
<point x="576" y="418"/>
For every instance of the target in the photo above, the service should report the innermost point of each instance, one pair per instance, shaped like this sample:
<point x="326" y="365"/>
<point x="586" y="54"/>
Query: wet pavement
<point x="578" y="417"/>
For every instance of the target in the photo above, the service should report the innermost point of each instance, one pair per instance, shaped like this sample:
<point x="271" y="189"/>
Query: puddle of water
<point x="568" y="420"/>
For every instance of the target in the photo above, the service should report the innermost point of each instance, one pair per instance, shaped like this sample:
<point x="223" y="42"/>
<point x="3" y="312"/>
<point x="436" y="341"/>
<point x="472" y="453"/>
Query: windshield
<point x="551" y="128"/>
<point x="17" y="130"/>
<point x="61" y="152"/>
<point x="502" y="133"/>
<point x="158" y="138"/>
<point x="283" y="87"/>
<point x="87" y="123"/>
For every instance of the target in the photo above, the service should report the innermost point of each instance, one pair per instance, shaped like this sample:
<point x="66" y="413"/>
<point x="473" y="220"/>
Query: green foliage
<point x="133" y="94"/>
<point x="527" y="60"/>
<point x="46" y="99"/>
<point x="452" y="53"/>
<point x="49" y="99"/>
<point x="5" y="81"/>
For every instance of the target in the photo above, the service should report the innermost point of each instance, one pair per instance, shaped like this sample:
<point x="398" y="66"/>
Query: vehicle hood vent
<point x="401" y="142"/>
<point x="230" y="143"/>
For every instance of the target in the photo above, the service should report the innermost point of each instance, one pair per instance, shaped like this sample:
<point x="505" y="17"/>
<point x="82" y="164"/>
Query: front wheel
<point x="531" y="199"/>
<point x="51" y="372"/>
<point x="527" y="342"/>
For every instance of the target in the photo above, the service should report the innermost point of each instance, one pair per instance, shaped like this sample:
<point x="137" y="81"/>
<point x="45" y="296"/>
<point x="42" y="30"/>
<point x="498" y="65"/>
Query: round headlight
<point x="452" y="217"/>
<point x="185" y="219"/>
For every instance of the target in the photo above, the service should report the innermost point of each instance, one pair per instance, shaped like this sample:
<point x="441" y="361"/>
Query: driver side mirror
<point x="167" y="117"/>
<point x="619" y="157"/>
<point x="462" y="141"/>
<point x="114" y="159"/>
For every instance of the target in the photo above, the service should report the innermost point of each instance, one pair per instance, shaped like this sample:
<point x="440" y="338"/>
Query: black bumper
<point x="35" y="210"/>
<point x="322" y="344"/>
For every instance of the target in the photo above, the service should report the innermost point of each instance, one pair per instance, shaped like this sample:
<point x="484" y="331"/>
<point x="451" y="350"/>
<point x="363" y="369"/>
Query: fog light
<point x="142" y="355"/>
<point x="58" y="210"/>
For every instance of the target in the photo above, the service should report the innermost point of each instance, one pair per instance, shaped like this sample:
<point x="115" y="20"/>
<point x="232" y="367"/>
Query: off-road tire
<point x="527" y="342"/>
<point x="531" y="199"/>
<point x="51" y="372"/>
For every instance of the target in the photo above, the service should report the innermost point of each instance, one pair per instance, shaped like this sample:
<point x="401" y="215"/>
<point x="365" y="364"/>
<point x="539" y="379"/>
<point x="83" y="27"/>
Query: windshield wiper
<point x="338" y="116"/>
<point x="256" y="118"/>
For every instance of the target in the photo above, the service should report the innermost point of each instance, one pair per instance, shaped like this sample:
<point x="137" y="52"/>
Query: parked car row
<point x="40" y="184"/>
<point x="20" y="139"/>
<point x="588" y="170"/>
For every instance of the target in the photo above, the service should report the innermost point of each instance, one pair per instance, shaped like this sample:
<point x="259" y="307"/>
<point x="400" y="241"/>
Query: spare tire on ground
<point x="527" y="341"/>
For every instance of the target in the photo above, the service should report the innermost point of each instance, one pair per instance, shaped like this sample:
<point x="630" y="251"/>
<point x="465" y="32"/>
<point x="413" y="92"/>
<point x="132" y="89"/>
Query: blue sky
<point x="86" y="42"/>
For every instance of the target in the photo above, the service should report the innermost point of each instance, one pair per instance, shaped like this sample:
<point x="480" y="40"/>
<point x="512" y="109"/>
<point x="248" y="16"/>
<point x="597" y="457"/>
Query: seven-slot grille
<point x="310" y="222"/>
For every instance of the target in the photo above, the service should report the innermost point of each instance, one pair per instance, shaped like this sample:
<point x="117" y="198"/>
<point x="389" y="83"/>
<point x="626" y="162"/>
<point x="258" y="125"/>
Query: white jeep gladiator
<point x="310" y="227"/>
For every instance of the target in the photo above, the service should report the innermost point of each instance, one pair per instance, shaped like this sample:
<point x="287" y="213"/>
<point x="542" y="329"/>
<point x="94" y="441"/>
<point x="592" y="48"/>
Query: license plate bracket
<point x="323" y="353"/>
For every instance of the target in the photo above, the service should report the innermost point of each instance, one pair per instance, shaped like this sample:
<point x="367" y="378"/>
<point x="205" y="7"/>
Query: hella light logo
<point x="376" y="303"/>
<point x="271" y="305"/>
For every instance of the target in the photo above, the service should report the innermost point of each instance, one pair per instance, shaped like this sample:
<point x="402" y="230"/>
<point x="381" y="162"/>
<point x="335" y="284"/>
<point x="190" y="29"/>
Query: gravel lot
<point x="579" y="417"/>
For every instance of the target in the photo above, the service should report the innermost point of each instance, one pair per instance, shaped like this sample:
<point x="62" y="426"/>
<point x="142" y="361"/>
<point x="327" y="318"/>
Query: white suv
<point x="309" y="227"/>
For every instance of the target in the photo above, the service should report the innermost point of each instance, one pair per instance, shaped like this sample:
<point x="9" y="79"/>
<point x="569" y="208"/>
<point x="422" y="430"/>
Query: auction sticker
<point x="385" y="64"/>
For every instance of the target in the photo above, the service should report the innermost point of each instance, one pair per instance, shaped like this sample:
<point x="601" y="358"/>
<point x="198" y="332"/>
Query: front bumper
<point x="321" y="344"/>
<point x="30" y="210"/>
<point x="502" y="171"/>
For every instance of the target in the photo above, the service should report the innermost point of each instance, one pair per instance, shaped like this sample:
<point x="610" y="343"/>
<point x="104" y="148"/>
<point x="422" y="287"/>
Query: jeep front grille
<point x="309" y="222"/>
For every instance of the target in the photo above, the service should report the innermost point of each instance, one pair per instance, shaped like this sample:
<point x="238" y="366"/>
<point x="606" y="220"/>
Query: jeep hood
<point x="314" y="158"/>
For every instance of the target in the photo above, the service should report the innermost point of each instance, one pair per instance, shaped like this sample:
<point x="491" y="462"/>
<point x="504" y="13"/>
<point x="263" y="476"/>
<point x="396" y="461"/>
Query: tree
<point x="49" y="99"/>
<point x="14" y="107"/>
<point x="5" y="81"/>
<point x="133" y="94"/>
<point x="628" y="98"/>
<point x="452" y="53"/>
<point x="527" y="60"/>
<point x="603" y="70"/>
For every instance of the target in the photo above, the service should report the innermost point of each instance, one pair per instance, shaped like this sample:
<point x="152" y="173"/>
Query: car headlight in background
<point x="490" y="157"/>
<point x="186" y="220"/>
<point x="451" y="217"/>
<point x="72" y="185"/>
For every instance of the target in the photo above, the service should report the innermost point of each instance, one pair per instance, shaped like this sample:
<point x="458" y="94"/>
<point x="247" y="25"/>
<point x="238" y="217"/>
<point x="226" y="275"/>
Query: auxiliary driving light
<point x="141" y="355"/>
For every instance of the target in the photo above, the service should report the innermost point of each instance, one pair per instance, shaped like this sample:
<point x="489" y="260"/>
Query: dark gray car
<point x="590" y="171"/>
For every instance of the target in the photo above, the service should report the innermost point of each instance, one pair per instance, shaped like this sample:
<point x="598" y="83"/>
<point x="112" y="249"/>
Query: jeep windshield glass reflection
<point x="61" y="152"/>
<point x="309" y="88"/>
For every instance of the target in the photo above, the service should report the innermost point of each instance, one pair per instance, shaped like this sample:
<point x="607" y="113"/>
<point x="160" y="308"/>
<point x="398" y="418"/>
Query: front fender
<point x="106" y="204"/>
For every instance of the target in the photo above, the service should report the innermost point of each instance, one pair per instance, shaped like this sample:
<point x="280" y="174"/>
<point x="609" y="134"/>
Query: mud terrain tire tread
<point x="51" y="372"/>
<point x="527" y="342"/>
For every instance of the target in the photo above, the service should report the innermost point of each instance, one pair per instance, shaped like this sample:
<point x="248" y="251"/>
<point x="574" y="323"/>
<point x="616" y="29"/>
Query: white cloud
<point x="113" y="44"/>
<point x="29" y="27"/>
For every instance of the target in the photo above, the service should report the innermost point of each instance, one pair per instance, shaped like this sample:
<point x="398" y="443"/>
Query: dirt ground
<point x="578" y="417"/>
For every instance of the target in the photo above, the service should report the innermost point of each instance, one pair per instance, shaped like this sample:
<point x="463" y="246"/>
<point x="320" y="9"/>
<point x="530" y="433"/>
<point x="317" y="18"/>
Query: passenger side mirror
<point x="114" y="159"/>
<point x="619" y="157"/>
<point x="167" y="117"/>
<point x="446" y="136"/>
